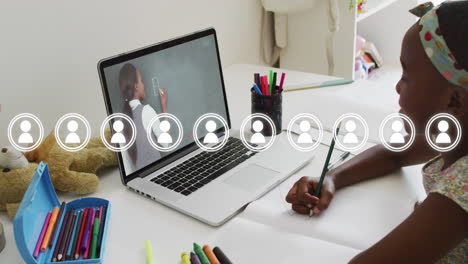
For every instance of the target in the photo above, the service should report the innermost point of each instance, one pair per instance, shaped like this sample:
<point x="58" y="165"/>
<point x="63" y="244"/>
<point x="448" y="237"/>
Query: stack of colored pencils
<point x="267" y="86"/>
<point x="79" y="236"/>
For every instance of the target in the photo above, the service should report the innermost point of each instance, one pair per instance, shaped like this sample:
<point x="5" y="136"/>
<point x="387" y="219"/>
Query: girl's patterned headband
<point x="435" y="46"/>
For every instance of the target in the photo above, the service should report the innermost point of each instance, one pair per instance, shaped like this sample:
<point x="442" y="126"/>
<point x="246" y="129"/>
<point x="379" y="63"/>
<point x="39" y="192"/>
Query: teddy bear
<point x="69" y="171"/>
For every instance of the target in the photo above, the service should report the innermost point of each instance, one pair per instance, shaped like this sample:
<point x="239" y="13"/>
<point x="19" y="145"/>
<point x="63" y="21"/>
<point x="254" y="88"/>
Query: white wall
<point x="49" y="49"/>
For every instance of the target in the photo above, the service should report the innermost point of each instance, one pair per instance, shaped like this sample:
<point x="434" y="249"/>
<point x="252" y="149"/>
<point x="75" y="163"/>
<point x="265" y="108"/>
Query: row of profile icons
<point x="165" y="132"/>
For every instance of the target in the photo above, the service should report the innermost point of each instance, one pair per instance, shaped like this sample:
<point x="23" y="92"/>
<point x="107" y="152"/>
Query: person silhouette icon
<point x="257" y="138"/>
<point x="25" y="137"/>
<point x="397" y="137"/>
<point x="305" y="137"/>
<point x="118" y="137"/>
<point x="165" y="137"/>
<point x="443" y="137"/>
<point x="210" y="137"/>
<point x="350" y="137"/>
<point x="72" y="137"/>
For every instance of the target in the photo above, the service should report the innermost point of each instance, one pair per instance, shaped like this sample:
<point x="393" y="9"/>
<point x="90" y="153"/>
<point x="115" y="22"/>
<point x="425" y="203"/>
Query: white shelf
<point x="372" y="7"/>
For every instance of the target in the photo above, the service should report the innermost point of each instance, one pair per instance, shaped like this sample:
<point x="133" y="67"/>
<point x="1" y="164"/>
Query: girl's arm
<point x="429" y="233"/>
<point x="163" y="96"/>
<point x="378" y="161"/>
<point x="372" y="163"/>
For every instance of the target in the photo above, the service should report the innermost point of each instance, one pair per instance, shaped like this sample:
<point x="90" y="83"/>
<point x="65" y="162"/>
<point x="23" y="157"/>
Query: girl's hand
<point x="163" y="95"/>
<point x="302" y="195"/>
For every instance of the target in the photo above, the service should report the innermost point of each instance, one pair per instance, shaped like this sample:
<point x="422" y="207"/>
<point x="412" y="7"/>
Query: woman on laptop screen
<point x="132" y="89"/>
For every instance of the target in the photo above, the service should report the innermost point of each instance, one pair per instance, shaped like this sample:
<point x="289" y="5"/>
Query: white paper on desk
<point x="355" y="218"/>
<point x="245" y="241"/>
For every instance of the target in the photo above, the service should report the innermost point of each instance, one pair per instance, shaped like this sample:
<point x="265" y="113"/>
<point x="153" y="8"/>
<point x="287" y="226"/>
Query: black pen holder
<point x="271" y="106"/>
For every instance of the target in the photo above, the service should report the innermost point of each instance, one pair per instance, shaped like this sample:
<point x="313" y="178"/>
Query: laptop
<point x="211" y="186"/>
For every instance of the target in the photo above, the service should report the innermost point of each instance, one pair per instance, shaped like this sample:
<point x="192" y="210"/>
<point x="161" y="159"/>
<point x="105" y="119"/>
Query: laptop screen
<point x="181" y="77"/>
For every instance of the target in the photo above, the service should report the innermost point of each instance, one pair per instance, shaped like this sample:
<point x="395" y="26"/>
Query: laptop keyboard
<point x="201" y="169"/>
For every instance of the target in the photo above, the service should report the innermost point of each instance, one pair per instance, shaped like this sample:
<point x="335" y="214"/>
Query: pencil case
<point x="38" y="201"/>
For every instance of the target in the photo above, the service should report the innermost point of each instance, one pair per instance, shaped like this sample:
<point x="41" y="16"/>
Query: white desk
<point x="358" y="217"/>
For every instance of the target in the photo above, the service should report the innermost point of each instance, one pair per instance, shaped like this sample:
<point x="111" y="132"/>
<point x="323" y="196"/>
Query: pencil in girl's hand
<point x="325" y="168"/>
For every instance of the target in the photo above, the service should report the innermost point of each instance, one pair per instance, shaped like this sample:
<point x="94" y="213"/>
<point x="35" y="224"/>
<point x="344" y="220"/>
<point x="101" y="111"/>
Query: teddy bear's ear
<point x="42" y="152"/>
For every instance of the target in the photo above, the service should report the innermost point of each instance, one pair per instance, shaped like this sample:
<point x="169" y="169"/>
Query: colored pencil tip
<point x="59" y="257"/>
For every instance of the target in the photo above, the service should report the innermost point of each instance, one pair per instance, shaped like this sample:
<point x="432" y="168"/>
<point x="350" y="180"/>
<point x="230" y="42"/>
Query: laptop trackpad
<point x="251" y="177"/>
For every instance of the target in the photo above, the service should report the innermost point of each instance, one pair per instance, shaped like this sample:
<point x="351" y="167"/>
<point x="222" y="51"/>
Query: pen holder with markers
<point x="75" y="242"/>
<point x="271" y="106"/>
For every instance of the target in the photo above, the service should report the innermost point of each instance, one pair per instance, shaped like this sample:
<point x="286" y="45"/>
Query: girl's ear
<point x="458" y="101"/>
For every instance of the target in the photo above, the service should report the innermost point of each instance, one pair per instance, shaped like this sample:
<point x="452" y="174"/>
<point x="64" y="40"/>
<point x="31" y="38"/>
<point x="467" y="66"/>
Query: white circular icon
<point x="210" y="141"/>
<point x="73" y="142"/>
<point x="25" y="137"/>
<point x="257" y="141"/>
<point x="443" y="142"/>
<point x="164" y="142"/>
<point x="304" y="141"/>
<point x="350" y="141"/>
<point x="397" y="142"/>
<point x="118" y="138"/>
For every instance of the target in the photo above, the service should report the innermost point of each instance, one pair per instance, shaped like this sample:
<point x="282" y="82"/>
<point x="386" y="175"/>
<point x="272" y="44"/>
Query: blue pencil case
<point x="38" y="201"/>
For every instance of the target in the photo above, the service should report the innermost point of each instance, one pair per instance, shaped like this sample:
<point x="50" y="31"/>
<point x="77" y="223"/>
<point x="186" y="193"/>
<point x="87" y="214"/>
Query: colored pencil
<point x="54" y="231"/>
<point x="41" y="236"/>
<point x="325" y="168"/>
<point x="101" y="230"/>
<point x="322" y="84"/>
<point x="80" y="236"/>
<point x="66" y="239"/>
<point x="283" y="75"/>
<point x="88" y="235"/>
<point x="48" y="236"/>
<point x="271" y="82"/>
<point x="100" y="213"/>
<point x="265" y="86"/>
<point x="257" y="79"/>
<point x="256" y="89"/>
<point x="95" y="238"/>
<point x="274" y="83"/>
<point x="60" y="238"/>
<point x="75" y="234"/>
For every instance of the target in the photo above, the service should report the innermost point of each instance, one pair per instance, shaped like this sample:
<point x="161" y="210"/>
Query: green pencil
<point x="271" y="81"/>
<point x="325" y="168"/>
<point x="95" y="238"/>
